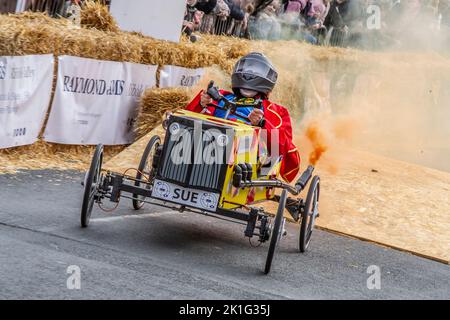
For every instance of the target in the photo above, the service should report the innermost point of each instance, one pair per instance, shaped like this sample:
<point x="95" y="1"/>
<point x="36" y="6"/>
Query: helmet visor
<point x="257" y="68"/>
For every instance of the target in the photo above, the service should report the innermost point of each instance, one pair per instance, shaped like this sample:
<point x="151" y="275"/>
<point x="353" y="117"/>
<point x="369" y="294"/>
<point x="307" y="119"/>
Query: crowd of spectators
<point x="329" y="22"/>
<point x="55" y="8"/>
<point x="216" y="16"/>
<point x="402" y="23"/>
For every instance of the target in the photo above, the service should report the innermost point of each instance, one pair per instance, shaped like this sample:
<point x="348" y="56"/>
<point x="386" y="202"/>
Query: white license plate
<point x="190" y="197"/>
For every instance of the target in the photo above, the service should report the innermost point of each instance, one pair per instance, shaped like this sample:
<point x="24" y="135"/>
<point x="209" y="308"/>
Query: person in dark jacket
<point x="342" y="16"/>
<point x="206" y="6"/>
<point x="236" y="12"/>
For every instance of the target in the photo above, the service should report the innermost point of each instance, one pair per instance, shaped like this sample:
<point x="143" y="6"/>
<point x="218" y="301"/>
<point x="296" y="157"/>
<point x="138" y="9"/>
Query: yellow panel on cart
<point x="245" y="150"/>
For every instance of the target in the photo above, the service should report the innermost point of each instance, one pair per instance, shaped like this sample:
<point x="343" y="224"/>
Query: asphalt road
<point x="159" y="254"/>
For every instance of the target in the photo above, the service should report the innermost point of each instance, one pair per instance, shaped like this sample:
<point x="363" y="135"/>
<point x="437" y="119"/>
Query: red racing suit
<point x="277" y="117"/>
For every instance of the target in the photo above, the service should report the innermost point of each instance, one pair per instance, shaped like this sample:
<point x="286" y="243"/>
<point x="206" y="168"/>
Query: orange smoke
<point x="317" y="139"/>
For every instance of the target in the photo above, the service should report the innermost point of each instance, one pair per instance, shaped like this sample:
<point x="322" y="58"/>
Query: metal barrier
<point x="216" y="25"/>
<point x="7" y="6"/>
<point x="54" y="8"/>
<point x="335" y="38"/>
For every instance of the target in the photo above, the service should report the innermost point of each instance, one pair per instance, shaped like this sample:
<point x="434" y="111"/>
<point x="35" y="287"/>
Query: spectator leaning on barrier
<point x="206" y="6"/>
<point x="192" y="19"/>
<point x="314" y="14"/>
<point x="343" y="15"/>
<point x="335" y="18"/>
<point x="266" y="25"/>
<point x="291" y="17"/>
<point x="220" y="12"/>
<point x="317" y="13"/>
<point x="236" y="14"/>
<point x="249" y="9"/>
<point x="307" y="16"/>
<point x="295" y="6"/>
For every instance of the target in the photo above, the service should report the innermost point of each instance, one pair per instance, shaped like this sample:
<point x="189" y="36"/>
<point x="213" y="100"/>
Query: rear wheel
<point x="91" y="184"/>
<point x="145" y="170"/>
<point x="309" y="214"/>
<point x="276" y="231"/>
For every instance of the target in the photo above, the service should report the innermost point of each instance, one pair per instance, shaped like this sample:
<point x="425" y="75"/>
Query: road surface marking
<point x="135" y="216"/>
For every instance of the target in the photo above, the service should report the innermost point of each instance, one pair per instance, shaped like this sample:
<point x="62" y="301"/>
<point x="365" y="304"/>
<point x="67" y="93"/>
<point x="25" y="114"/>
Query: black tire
<point x="309" y="214"/>
<point x="145" y="166"/>
<point x="275" y="234"/>
<point x="91" y="183"/>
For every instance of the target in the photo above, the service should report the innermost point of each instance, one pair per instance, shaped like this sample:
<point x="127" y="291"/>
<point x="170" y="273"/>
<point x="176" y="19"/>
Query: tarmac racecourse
<point x="160" y="254"/>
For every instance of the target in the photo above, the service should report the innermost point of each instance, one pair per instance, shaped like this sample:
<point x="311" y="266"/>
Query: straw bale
<point x="43" y="155"/>
<point x="96" y="16"/>
<point x="155" y="102"/>
<point x="38" y="17"/>
<point x="131" y="155"/>
<point x="36" y="33"/>
<point x="100" y="45"/>
<point x="30" y="36"/>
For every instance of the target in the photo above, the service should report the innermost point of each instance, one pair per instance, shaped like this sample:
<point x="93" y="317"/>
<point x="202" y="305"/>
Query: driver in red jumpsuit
<point x="253" y="79"/>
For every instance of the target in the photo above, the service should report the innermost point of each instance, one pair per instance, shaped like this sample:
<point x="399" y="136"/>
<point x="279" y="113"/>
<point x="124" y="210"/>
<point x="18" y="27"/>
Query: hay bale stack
<point x="36" y="33"/>
<point x="43" y="155"/>
<point x="225" y="50"/>
<point x="37" y="17"/>
<point x="230" y="47"/>
<point x="100" y="45"/>
<point x="25" y="33"/>
<point x="95" y="15"/>
<point x="155" y="102"/>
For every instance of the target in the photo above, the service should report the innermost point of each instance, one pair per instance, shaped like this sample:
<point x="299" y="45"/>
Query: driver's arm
<point x="278" y="118"/>
<point x="196" y="106"/>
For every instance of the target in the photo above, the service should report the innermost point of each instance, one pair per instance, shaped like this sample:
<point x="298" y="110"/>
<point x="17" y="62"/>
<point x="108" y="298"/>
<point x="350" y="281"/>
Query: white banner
<point x="97" y="101"/>
<point x="160" y="19"/>
<point x="25" y="89"/>
<point x="173" y="76"/>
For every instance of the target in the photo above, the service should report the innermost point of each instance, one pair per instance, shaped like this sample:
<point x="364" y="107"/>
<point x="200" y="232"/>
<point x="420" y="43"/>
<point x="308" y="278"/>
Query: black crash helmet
<point x="254" y="72"/>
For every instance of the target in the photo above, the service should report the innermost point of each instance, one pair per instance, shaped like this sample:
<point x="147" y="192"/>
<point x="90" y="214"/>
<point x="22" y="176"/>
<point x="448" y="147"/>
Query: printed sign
<point x="25" y="89"/>
<point x="160" y="19"/>
<point x="173" y="76"/>
<point x="97" y="101"/>
<point x="190" y="197"/>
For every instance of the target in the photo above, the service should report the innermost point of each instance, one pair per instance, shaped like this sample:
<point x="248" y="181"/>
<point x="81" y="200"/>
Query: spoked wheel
<point x="310" y="213"/>
<point x="145" y="170"/>
<point x="276" y="231"/>
<point x="91" y="184"/>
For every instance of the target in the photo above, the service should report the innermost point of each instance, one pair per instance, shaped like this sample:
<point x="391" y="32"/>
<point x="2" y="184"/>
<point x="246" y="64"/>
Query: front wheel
<point x="91" y="184"/>
<point x="276" y="231"/>
<point x="146" y="170"/>
<point x="309" y="214"/>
